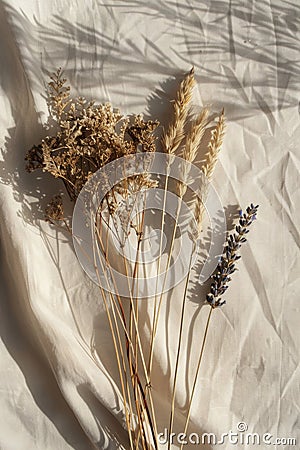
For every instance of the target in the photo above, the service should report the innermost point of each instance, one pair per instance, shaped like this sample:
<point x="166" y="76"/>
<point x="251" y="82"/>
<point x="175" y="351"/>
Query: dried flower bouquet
<point x="87" y="137"/>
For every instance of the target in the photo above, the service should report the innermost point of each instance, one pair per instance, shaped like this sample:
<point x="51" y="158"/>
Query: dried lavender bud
<point x="226" y="264"/>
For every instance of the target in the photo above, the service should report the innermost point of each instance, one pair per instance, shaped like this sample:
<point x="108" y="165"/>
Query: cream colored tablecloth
<point x="53" y="395"/>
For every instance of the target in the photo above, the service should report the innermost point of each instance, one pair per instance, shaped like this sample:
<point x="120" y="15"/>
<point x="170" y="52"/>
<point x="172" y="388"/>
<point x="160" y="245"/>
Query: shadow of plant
<point x="219" y="58"/>
<point x="224" y="42"/>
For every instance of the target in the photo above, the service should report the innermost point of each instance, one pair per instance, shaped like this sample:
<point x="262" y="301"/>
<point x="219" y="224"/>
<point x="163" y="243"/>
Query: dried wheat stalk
<point x="171" y="140"/>
<point x="189" y="154"/>
<point x="174" y="134"/>
<point x="195" y="136"/>
<point x="214" y="147"/>
<point x="89" y="136"/>
<point x="190" y="150"/>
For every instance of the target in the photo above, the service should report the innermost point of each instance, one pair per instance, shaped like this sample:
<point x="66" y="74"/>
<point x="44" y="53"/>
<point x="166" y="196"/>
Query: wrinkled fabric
<point x="59" y="382"/>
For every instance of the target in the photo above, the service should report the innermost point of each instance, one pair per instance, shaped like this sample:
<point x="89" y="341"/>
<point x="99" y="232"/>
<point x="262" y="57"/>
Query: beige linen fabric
<point x="55" y="392"/>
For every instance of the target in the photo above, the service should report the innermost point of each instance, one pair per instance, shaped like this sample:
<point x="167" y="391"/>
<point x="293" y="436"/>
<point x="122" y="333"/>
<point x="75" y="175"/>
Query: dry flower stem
<point x="113" y="333"/>
<point x="135" y="273"/>
<point x="134" y="376"/>
<point x="155" y="309"/>
<point x="189" y="155"/>
<point x="171" y="141"/>
<point x="221" y="278"/>
<point x="155" y="322"/>
<point x="197" y="372"/>
<point x="152" y="422"/>
<point x="171" y="423"/>
<point x="123" y="322"/>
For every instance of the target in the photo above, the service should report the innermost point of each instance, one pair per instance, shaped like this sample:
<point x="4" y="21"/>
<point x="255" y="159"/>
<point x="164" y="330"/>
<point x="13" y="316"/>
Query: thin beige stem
<point x="122" y="319"/>
<point x="121" y="314"/>
<point x="153" y="422"/>
<point x="136" y="280"/>
<point x="172" y="414"/>
<point x="141" y="430"/>
<point x="133" y="373"/>
<point x="139" y="407"/>
<point x="134" y="332"/>
<point x="164" y="283"/>
<point x="157" y="276"/>
<point x="118" y="360"/>
<point x="197" y="372"/>
<point x="117" y="349"/>
<point x="131" y="365"/>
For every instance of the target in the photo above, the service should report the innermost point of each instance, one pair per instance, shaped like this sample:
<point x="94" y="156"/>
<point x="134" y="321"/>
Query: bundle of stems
<point x="86" y="138"/>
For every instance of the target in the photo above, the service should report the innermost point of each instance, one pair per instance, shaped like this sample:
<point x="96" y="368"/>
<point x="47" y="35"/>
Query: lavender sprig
<point x="226" y="266"/>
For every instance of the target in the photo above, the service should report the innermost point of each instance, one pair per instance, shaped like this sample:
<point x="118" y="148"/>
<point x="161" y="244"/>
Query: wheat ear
<point x="195" y="136"/>
<point x="171" y="140"/>
<point x="174" y="134"/>
<point x="214" y="146"/>
<point x="191" y="147"/>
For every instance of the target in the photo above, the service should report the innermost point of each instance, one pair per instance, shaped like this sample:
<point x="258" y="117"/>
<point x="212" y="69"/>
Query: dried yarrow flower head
<point x="54" y="211"/>
<point x="88" y="137"/>
<point x="226" y="266"/>
<point x="58" y="95"/>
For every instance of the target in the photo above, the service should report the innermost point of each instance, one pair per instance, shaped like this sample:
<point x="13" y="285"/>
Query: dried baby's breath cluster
<point x="89" y="136"/>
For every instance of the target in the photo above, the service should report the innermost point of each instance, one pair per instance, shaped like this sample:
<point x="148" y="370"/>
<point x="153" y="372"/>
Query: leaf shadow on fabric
<point x="224" y="41"/>
<point x="227" y="58"/>
<point x="128" y="68"/>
